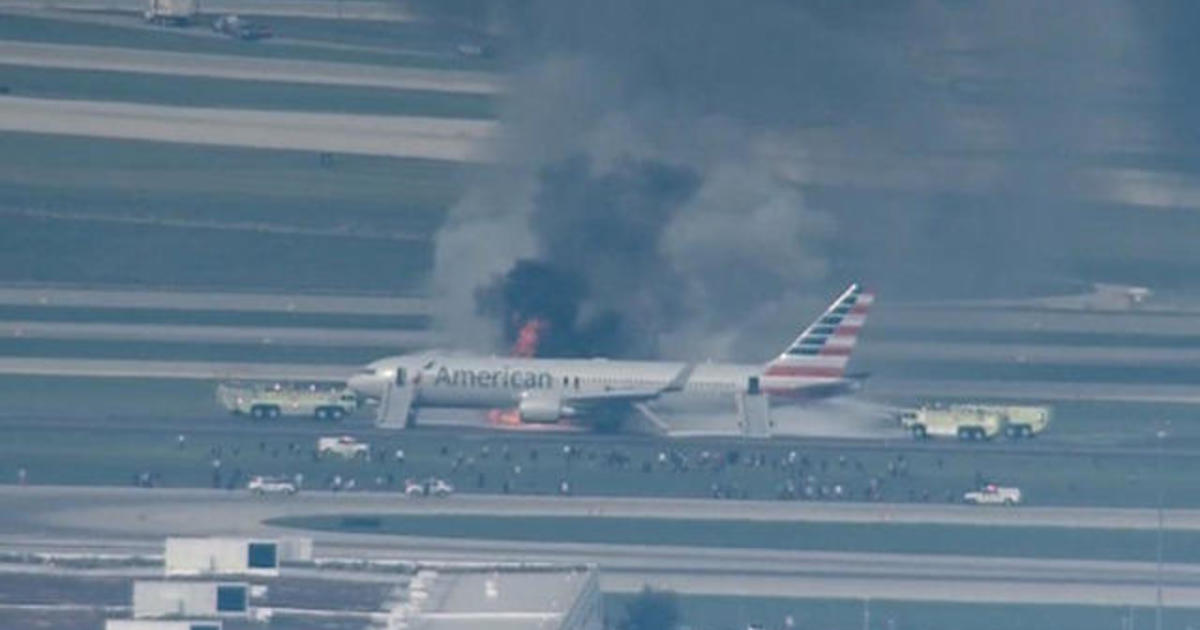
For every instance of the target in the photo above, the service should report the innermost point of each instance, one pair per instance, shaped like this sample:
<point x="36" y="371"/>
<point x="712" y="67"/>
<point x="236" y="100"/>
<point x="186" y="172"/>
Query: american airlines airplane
<point x="605" y="393"/>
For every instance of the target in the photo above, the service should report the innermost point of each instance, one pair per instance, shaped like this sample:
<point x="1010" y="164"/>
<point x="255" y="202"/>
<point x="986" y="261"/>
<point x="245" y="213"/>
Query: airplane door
<point x="401" y="377"/>
<point x="752" y="386"/>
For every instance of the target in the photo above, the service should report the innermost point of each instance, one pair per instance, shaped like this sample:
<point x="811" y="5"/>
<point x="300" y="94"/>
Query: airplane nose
<point x="366" y="385"/>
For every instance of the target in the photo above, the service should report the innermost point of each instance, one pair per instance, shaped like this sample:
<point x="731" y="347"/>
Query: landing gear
<point x="264" y="412"/>
<point x="1018" y="431"/>
<point x="330" y="413"/>
<point x="971" y="434"/>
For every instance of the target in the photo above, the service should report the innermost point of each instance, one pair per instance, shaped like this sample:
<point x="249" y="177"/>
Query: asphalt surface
<point x="941" y="389"/>
<point x="1144" y="187"/>
<point x="1031" y="354"/>
<point x="182" y="510"/>
<point x="77" y="520"/>
<point x="292" y="335"/>
<point x="388" y="136"/>
<point x="345" y="9"/>
<point x="1035" y="320"/>
<point x="215" y="301"/>
<point x="203" y="370"/>
<point x="112" y="59"/>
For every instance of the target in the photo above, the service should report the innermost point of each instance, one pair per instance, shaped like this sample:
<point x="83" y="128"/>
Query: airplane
<point x="603" y="394"/>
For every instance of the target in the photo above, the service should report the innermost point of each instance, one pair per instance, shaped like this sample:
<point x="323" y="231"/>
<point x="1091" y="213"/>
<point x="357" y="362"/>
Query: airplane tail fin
<point x="823" y="349"/>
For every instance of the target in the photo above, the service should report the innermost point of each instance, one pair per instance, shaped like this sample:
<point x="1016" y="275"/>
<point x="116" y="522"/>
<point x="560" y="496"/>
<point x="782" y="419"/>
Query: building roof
<point x="504" y="600"/>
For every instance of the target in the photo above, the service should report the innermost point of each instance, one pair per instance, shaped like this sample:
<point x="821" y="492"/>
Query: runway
<point x="112" y="59"/>
<point x="1150" y="187"/>
<point x="212" y="301"/>
<point x="387" y="136"/>
<point x="951" y="319"/>
<point x="188" y="370"/>
<point x="341" y="9"/>
<point x="961" y="317"/>
<point x="936" y="389"/>
<point x="1030" y="354"/>
<point x="182" y="511"/>
<point x="132" y="521"/>
<point x="290" y="335"/>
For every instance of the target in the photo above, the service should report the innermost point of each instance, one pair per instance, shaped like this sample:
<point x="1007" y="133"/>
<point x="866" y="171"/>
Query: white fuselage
<point x="813" y="365"/>
<point x="494" y="382"/>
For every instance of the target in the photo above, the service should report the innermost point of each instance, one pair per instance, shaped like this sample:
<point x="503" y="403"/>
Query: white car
<point x="431" y="487"/>
<point x="992" y="494"/>
<point x="241" y="28"/>
<point x="344" y="446"/>
<point x="271" y="485"/>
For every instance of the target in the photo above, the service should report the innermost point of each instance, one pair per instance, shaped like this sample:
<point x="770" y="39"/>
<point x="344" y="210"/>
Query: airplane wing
<point x="630" y="396"/>
<point x="613" y="405"/>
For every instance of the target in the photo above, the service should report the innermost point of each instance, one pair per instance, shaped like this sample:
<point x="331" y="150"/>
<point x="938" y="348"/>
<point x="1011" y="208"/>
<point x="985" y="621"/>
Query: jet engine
<point x="543" y="409"/>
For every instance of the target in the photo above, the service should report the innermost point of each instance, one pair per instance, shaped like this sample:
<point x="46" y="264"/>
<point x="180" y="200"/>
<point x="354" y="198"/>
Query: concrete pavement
<point x="190" y="511"/>
<point x="387" y="136"/>
<point x="111" y="520"/>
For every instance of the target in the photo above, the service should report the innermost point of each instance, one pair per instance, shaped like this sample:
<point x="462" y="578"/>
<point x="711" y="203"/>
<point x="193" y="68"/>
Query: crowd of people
<point x="729" y="471"/>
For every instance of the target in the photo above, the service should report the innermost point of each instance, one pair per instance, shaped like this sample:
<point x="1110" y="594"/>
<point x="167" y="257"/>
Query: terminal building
<point x="281" y="582"/>
<point x="176" y="624"/>
<point x="164" y="599"/>
<point x="186" y="556"/>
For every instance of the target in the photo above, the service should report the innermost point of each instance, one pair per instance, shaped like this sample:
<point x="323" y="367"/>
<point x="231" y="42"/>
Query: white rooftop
<point x="505" y="600"/>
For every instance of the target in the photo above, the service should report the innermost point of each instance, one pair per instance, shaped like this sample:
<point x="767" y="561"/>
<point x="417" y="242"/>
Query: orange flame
<point x="504" y="417"/>
<point x="526" y="346"/>
<point x="528" y="338"/>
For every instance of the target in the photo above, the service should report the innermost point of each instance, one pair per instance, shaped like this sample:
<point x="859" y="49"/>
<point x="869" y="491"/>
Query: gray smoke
<point x="714" y="170"/>
<point x="847" y="417"/>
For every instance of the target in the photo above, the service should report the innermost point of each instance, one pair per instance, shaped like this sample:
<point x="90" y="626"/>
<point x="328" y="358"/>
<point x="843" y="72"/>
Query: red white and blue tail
<point x="823" y="349"/>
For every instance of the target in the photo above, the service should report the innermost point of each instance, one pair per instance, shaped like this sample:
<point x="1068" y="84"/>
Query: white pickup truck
<point x="343" y="445"/>
<point x="271" y="485"/>
<point x="171" y="12"/>
<point x="992" y="494"/>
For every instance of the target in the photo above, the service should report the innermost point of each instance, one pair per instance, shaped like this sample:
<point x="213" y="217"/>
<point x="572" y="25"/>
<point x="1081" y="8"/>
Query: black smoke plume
<point x="606" y="227"/>
<point x="534" y="290"/>
<point x="713" y="170"/>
